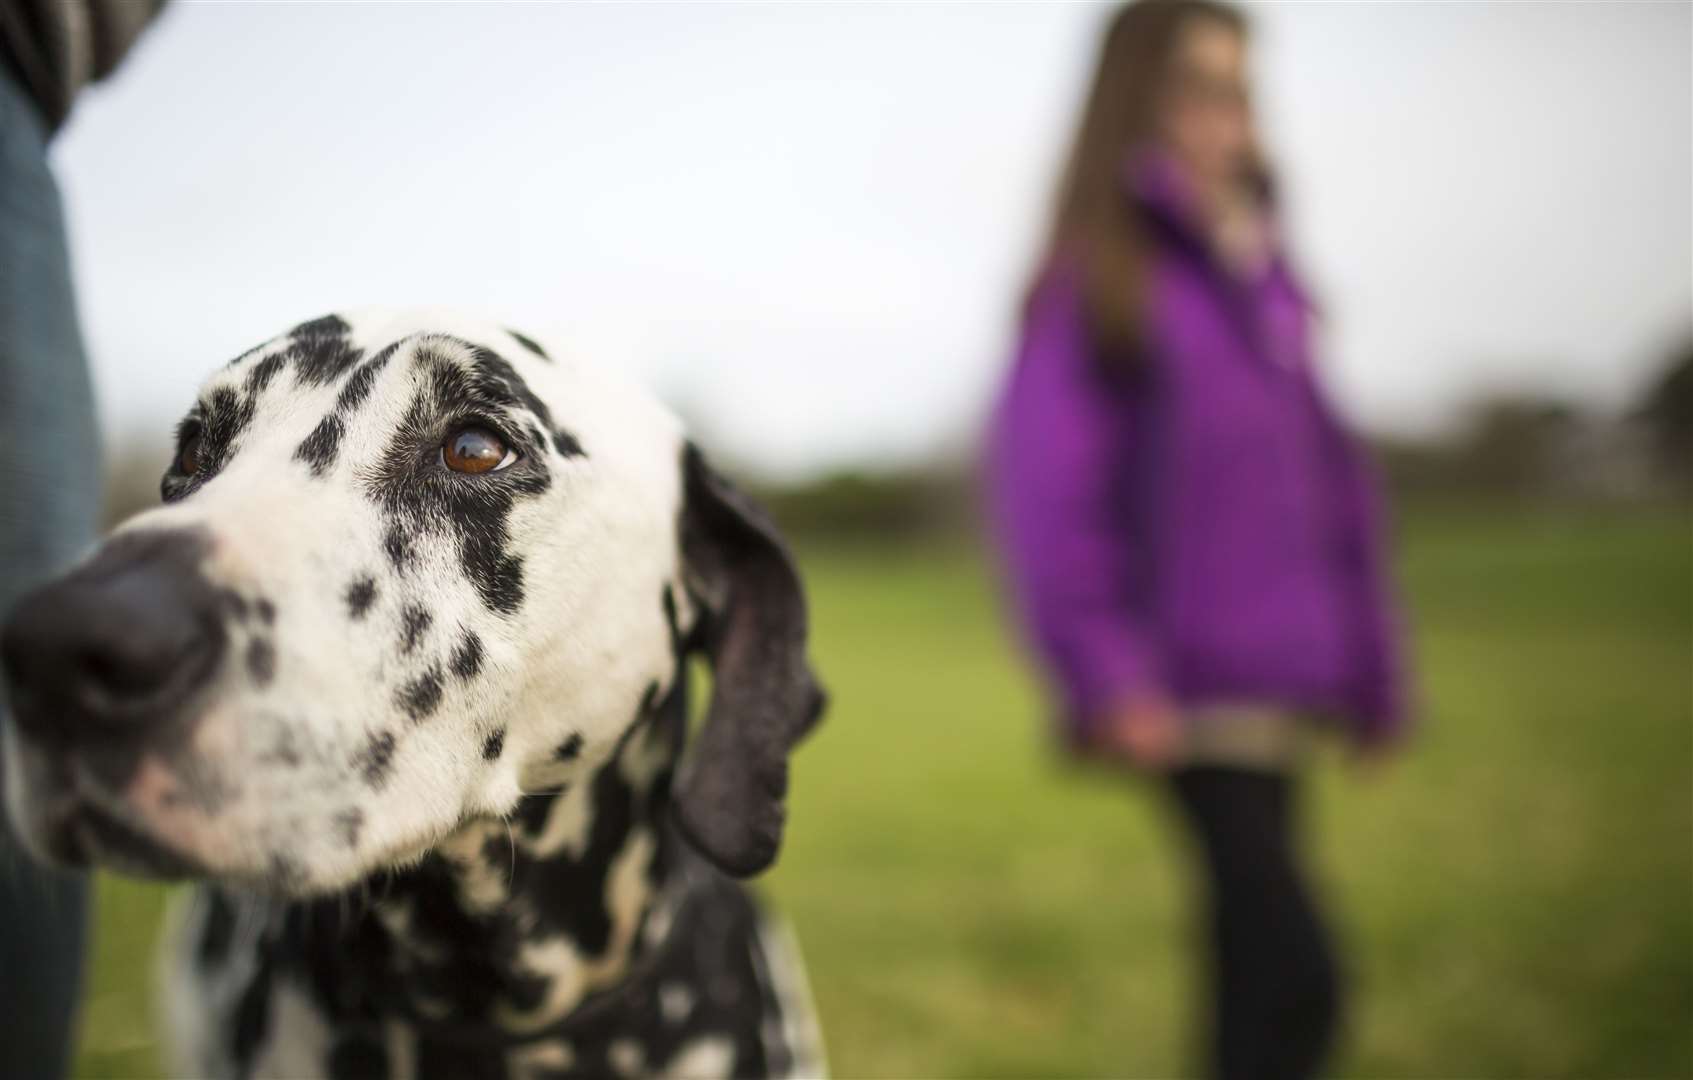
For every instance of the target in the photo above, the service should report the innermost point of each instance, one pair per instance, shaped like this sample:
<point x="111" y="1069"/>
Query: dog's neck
<point x="509" y="925"/>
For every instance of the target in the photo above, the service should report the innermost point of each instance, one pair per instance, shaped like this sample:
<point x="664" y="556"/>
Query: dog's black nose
<point x="120" y="643"/>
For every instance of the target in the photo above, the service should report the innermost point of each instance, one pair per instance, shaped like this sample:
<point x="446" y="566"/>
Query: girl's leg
<point x="1274" y="984"/>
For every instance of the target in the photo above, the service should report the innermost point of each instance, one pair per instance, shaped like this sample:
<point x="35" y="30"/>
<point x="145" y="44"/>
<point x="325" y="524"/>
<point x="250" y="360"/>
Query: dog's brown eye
<point x="475" y="450"/>
<point x="188" y="455"/>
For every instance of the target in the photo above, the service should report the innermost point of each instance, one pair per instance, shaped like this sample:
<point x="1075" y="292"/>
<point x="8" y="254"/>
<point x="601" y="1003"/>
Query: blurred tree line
<point x="1522" y="448"/>
<point x="1507" y="450"/>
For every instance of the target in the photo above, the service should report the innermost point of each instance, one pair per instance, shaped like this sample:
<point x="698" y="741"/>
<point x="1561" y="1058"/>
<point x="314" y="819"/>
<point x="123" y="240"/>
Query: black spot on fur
<point x="234" y="603"/>
<point x="467" y="658"/>
<point x="348" y="824"/>
<point x="420" y="697"/>
<point x="261" y="661"/>
<point x="228" y="416"/>
<point x="323" y="361"/>
<point x="360" y="595"/>
<point x="414" y="623"/>
<point x="502" y="585"/>
<point x="494" y="745"/>
<point x="565" y="443"/>
<point x="252" y="1018"/>
<point x="247" y="355"/>
<point x="569" y="748"/>
<point x="358" y="1057"/>
<point x="217" y="932"/>
<point x="320" y="351"/>
<point x="358" y="386"/>
<point x="397" y="546"/>
<point x="444" y="1059"/>
<point x="533" y="810"/>
<point x="286" y="751"/>
<point x="267" y="611"/>
<point x="528" y="343"/>
<point x="322" y="326"/>
<point x="263" y="372"/>
<point x="376" y="760"/>
<point x="320" y="447"/>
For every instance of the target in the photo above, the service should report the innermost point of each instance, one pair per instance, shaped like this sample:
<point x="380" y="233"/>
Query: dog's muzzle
<point x="102" y="665"/>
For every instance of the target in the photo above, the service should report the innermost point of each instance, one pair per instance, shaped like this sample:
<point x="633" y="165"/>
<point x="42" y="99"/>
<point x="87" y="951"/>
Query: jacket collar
<point x="1157" y="182"/>
<point x="1154" y="179"/>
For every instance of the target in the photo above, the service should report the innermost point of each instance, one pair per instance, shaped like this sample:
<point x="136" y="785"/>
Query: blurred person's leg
<point x="1274" y="987"/>
<point x="49" y="507"/>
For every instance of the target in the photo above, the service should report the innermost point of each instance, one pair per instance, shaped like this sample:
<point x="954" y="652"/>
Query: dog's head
<point x="408" y="568"/>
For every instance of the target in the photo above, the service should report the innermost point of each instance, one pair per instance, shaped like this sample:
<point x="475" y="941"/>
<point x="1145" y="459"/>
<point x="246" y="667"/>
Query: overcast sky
<point x="807" y="225"/>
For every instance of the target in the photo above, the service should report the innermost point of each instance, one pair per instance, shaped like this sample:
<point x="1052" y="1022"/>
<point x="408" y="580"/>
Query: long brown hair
<point x="1094" y="219"/>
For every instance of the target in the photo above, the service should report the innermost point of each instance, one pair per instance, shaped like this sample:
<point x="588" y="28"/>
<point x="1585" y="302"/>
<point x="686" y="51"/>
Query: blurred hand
<point x="1371" y="753"/>
<point x="1147" y="730"/>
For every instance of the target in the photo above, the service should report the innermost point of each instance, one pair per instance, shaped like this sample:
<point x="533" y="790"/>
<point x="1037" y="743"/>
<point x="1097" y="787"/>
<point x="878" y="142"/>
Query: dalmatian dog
<point x="398" y="676"/>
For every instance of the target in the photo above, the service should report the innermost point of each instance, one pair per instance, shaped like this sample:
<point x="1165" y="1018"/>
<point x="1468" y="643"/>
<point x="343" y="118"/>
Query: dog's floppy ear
<point x="752" y="627"/>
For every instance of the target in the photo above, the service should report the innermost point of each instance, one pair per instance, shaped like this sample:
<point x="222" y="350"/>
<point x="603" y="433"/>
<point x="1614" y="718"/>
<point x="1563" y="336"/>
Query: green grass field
<point x="1516" y="891"/>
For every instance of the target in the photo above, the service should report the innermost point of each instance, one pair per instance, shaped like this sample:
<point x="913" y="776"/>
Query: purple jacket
<point x="1203" y="528"/>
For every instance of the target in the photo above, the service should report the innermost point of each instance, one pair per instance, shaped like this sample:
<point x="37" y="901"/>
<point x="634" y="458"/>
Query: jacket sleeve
<point x="1054" y="474"/>
<point x="1382" y="693"/>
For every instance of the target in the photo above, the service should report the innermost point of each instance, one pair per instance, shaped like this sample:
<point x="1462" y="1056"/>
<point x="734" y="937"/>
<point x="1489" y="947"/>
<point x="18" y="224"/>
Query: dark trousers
<point x="49" y="505"/>
<point x="1274" y="987"/>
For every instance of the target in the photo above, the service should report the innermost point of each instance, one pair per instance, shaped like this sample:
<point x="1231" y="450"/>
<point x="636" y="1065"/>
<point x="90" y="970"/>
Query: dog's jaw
<point x="506" y="927"/>
<point x="521" y="919"/>
<point x="621" y="951"/>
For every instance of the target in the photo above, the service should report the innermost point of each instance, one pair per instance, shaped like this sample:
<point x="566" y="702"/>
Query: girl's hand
<point x="1371" y="753"/>
<point x="1146" y="730"/>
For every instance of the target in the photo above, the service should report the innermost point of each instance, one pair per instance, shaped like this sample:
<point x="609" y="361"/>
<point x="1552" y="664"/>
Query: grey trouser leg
<point x="49" y="507"/>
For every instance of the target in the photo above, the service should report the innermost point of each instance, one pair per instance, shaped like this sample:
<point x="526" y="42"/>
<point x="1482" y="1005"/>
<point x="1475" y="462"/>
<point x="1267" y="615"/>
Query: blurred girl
<point x="1193" y="541"/>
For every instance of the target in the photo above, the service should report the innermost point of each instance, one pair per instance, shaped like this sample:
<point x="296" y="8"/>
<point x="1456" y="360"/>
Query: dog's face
<point x="408" y="568"/>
